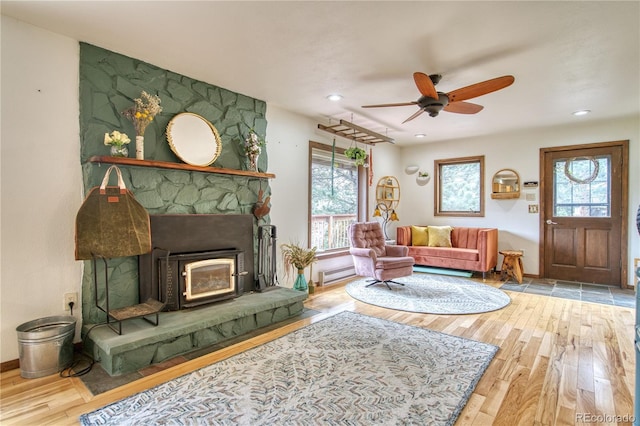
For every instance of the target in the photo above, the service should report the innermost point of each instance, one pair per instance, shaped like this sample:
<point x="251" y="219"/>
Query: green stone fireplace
<point x="164" y="185"/>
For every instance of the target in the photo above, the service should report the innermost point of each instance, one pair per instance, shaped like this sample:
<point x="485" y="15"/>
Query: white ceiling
<point x="565" y="56"/>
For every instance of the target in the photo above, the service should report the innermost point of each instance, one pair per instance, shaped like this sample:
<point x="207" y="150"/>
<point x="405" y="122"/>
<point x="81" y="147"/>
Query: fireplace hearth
<point x="198" y="259"/>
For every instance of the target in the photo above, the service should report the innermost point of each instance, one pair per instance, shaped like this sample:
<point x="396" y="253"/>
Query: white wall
<point x="41" y="183"/>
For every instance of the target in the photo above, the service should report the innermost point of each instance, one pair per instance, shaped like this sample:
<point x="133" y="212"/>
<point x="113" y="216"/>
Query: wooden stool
<point x="512" y="265"/>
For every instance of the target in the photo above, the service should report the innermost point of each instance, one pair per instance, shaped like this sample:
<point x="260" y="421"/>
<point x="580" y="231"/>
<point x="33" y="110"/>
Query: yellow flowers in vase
<point x="142" y="113"/>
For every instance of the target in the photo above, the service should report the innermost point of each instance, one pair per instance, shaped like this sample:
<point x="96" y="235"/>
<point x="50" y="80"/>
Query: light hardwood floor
<point x="561" y="362"/>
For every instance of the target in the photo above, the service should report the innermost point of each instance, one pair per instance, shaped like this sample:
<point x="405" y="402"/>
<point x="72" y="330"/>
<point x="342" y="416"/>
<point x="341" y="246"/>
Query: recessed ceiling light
<point x="420" y="135"/>
<point x="582" y="112"/>
<point x="334" y="97"/>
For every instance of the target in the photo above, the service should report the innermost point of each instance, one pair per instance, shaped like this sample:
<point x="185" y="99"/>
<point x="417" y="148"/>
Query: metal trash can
<point x="46" y="345"/>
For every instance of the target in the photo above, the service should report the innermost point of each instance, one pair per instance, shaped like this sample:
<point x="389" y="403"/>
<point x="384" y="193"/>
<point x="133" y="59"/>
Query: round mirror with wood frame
<point x="505" y="184"/>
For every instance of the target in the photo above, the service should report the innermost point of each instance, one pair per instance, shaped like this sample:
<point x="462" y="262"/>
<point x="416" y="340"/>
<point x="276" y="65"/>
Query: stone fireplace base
<point x="179" y="332"/>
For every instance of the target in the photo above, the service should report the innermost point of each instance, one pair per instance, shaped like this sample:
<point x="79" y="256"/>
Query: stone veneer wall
<point x="108" y="84"/>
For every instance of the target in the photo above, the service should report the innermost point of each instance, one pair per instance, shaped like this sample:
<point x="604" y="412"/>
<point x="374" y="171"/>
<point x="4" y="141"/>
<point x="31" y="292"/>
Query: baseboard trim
<point x="15" y="363"/>
<point x="9" y="365"/>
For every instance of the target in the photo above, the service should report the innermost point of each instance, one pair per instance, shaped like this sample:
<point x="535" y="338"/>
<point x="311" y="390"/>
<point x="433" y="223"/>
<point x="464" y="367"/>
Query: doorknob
<point x="550" y="222"/>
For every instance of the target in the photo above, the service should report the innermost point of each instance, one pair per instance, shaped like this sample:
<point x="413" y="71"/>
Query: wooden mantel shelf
<point x="177" y="166"/>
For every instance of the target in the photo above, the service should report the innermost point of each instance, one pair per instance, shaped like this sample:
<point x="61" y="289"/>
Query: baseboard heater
<point x="332" y="275"/>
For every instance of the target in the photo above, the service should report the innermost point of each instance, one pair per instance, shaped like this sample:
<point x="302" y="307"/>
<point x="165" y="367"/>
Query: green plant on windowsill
<point x="359" y="155"/>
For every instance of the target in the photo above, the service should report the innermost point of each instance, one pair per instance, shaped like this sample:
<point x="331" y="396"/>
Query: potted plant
<point x="422" y="178"/>
<point x="298" y="258"/>
<point x="359" y="155"/>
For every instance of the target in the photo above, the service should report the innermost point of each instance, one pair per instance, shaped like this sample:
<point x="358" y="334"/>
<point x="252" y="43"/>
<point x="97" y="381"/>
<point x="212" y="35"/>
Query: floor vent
<point x="332" y="275"/>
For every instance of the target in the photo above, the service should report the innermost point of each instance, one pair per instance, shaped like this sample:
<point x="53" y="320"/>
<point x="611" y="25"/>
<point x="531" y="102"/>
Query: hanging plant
<point x="359" y="155"/>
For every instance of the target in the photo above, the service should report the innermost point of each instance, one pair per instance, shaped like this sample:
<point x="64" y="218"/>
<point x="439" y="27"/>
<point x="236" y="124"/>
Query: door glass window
<point x="581" y="187"/>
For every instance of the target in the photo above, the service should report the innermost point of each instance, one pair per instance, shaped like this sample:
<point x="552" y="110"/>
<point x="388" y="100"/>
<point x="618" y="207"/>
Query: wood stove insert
<point x="181" y="240"/>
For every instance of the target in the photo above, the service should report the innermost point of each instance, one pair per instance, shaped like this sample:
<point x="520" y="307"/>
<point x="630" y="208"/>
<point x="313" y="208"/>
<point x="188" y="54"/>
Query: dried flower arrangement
<point x="296" y="257"/>
<point x="145" y="108"/>
<point x="252" y="144"/>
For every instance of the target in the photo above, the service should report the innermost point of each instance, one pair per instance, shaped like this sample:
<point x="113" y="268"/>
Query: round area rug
<point x="431" y="294"/>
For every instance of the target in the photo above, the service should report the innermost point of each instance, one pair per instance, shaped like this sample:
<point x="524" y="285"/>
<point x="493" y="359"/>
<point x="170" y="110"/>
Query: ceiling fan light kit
<point x="432" y="101"/>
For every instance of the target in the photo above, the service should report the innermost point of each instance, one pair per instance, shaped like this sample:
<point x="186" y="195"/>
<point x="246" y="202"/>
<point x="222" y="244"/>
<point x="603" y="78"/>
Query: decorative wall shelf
<point x="505" y="185"/>
<point x="177" y="166"/>
<point x="505" y="195"/>
<point x="388" y="192"/>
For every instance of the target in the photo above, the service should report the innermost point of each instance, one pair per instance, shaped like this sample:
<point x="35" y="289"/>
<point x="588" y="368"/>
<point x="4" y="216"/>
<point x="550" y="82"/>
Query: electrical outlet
<point x="68" y="298"/>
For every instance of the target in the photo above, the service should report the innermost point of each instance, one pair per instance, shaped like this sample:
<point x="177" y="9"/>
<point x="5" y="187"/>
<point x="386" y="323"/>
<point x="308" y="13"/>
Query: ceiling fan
<point x="433" y="101"/>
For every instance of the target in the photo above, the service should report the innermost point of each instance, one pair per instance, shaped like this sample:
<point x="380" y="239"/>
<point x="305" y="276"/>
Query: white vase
<point x="140" y="147"/>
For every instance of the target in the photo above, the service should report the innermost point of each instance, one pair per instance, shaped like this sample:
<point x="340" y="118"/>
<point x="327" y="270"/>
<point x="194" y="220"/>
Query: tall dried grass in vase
<point x="297" y="258"/>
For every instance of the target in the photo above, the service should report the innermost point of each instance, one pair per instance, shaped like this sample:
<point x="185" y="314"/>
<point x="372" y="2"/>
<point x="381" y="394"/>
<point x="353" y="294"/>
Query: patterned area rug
<point x="346" y="369"/>
<point x="432" y="294"/>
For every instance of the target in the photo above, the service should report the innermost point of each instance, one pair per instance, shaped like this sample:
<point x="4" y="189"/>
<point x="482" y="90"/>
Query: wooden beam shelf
<point x="125" y="161"/>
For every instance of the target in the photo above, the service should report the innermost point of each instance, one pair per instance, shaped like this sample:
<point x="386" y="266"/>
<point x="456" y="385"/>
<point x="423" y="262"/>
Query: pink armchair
<point x="373" y="258"/>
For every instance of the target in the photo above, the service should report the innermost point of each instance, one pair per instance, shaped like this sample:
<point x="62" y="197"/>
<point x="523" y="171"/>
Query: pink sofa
<point x="473" y="249"/>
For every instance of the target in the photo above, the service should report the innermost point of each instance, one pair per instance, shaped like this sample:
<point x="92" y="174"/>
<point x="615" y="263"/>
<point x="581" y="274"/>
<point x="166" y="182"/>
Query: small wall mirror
<point x="506" y="184"/>
<point x="193" y="139"/>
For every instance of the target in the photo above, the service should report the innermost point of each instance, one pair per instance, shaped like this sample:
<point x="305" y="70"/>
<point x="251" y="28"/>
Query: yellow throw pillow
<point x="439" y="236"/>
<point x="419" y="236"/>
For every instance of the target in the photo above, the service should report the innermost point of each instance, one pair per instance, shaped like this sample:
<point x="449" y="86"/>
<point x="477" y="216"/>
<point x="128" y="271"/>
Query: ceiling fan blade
<point x="463" y="108"/>
<point x="390" y="105"/>
<point x="420" y="111"/>
<point x="425" y="85"/>
<point x="480" y="89"/>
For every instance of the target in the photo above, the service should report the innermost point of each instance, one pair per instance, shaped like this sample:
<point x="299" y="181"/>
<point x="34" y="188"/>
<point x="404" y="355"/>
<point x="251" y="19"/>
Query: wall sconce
<point x="387" y="214"/>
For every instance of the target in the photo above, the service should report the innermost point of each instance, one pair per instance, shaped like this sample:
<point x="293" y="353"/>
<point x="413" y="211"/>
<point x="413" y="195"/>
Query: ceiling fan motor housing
<point x="433" y="106"/>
